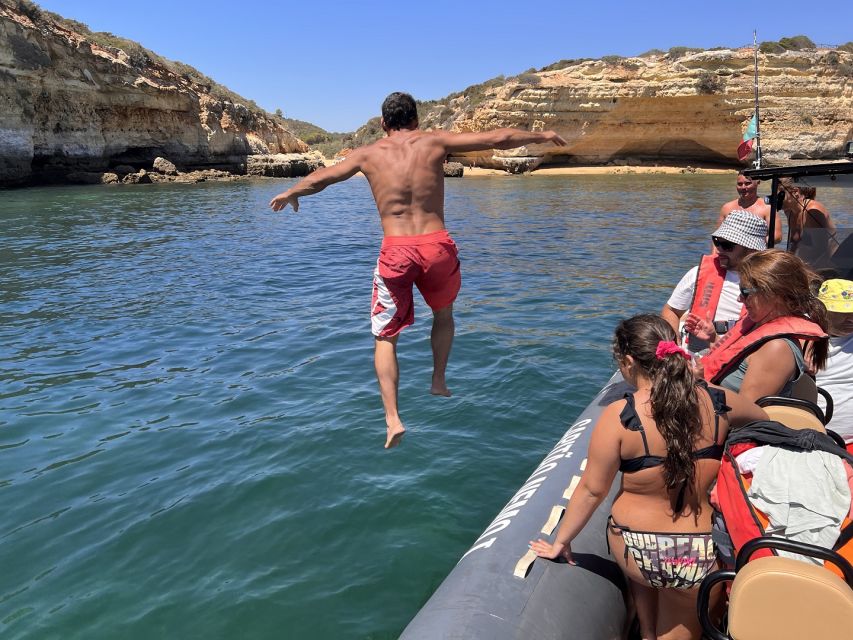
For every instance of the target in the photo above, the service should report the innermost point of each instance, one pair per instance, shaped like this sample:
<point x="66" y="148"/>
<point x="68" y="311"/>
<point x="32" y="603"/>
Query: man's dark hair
<point x="399" y="110"/>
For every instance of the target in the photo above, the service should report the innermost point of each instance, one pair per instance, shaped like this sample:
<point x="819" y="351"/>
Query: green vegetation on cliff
<point x="309" y="133"/>
<point x="440" y="113"/>
<point x="138" y="56"/>
<point x="329" y="143"/>
<point x="793" y="43"/>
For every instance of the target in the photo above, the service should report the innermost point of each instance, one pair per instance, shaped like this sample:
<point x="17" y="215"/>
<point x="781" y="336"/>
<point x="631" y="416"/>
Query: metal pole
<point x="757" y="162"/>
<point x="771" y="236"/>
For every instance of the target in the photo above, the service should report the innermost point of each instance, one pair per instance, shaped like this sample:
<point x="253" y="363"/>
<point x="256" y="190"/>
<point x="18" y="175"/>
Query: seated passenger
<point x="763" y="354"/>
<point x="811" y="231"/>
<point x="837" y="377"/>
<point x="666" y="438"/>
<point x="710" y="291"/>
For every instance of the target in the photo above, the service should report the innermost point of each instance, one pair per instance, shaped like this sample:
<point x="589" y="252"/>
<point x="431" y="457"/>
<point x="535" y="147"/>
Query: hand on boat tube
<point x="552" y="551"/>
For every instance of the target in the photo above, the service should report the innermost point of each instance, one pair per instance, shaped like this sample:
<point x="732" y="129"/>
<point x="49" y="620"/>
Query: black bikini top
<point x="631" y="421"/>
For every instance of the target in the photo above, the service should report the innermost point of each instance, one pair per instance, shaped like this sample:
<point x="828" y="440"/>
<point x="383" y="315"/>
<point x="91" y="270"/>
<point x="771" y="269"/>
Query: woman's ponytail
<point x="650" y="341"/>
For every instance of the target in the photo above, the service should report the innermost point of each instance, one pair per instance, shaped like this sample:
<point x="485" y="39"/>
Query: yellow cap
<point x="837" y="295"/>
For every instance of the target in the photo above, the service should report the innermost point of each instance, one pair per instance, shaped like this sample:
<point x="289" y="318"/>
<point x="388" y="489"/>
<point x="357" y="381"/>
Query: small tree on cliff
<point x="709" y="83"/>
<point x="797" y="43"/>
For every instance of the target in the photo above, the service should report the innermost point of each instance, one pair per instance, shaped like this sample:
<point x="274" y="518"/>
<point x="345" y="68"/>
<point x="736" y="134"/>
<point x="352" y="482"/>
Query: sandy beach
<point x="601" y="170"/>
<point x="578" y="170"/>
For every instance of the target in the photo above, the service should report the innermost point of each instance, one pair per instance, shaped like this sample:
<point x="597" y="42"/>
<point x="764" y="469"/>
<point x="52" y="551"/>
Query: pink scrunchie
<point x="667" y="348"/>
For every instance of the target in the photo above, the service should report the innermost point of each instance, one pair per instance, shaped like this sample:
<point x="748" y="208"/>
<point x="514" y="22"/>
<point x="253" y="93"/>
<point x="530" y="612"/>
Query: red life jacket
<point x="709" y="285"/>
<point x="740" y="341"/>
<point x="743" y="521"/>
<point x="707" y="289"/>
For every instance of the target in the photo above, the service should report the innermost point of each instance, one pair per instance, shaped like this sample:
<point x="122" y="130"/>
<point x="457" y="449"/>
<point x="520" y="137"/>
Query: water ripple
<point x="190" y="431"/>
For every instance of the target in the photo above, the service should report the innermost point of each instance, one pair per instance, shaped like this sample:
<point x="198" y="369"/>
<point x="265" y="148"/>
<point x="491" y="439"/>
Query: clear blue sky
<point x="332" y="63"/>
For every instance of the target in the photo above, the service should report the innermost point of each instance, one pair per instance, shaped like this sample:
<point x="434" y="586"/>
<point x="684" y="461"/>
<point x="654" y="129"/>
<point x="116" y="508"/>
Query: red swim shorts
<point x="429" y="261"/>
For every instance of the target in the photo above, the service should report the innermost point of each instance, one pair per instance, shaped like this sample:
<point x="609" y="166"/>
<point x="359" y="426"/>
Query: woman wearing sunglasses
<point x="766" y="353"/>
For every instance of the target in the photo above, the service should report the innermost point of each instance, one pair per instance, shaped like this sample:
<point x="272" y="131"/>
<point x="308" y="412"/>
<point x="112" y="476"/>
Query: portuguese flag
<point x="745" y="147"/>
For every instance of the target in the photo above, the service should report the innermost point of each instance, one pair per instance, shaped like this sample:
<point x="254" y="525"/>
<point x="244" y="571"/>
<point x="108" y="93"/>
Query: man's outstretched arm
<point x="316" y="182"/>
<point x="497" y="139"/>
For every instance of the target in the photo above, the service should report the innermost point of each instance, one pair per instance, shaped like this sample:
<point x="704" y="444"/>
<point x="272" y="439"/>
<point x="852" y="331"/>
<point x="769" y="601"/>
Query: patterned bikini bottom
<point x="668" y="560"/>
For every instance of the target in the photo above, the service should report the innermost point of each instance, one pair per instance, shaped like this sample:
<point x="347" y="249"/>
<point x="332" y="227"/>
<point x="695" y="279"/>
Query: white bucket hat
<point x="744" y="228"/>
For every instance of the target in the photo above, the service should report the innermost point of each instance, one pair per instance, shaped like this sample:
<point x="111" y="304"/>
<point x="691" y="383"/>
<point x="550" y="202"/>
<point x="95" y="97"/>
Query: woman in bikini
<point x="811" y="231"/>
<point x="666" y="438"/>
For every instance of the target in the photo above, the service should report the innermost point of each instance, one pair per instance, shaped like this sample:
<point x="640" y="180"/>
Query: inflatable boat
<point x="500" y="589"/>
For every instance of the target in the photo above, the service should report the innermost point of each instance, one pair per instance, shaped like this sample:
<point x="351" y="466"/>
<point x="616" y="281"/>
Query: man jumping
<point x="406" y="175"/>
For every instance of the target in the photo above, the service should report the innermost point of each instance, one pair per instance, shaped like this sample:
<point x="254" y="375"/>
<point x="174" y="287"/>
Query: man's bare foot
<point x="396" y="431"/>
<point x="440" y="390"/>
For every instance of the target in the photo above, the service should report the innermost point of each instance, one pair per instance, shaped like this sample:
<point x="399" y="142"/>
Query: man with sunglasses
<point x="710" y="290"/>
<point x="748" y="200"/>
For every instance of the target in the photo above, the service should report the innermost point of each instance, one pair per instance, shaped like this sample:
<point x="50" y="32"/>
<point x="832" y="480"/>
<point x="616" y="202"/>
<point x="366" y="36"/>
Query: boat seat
<point x="794" y="413"/>
<point x="785" y="598"/>
<point x="781" y="598"/>
<point x="842" y="259"/>
<point x="795" y="418"/>
<point x="805" y="388"/>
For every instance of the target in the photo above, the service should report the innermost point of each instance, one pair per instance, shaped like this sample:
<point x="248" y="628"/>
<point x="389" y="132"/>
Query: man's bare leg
<point x="441" y="339"/>
<point x="388" y="374"/>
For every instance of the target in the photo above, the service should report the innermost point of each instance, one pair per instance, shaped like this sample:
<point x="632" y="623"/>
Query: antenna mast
<point x="757" y="162"/>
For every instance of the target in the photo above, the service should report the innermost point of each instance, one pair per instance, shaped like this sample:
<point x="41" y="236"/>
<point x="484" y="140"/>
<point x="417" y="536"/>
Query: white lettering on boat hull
<point x="561" y="450"/>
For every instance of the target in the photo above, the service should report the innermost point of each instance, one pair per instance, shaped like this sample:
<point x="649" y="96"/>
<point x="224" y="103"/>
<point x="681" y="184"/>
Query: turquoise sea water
<point x="190" y="430"/>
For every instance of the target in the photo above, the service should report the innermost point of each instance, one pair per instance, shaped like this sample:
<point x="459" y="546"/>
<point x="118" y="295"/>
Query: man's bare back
<point x="406" y="174"/>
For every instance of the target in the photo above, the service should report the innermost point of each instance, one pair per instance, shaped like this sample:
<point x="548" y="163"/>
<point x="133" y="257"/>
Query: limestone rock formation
<point x="164" y="166"/>
<point x="689" y="108"/>
<point x="68" y="104"/>
<point x="283" y="165"/>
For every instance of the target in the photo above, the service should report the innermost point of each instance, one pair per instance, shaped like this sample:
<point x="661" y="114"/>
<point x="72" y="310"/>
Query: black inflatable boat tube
<point x="498" y="591"/>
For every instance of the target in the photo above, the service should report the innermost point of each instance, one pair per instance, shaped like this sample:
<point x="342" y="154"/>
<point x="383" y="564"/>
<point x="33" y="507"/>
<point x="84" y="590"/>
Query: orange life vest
<point x="743" y="520"/>
<point x="708" y="287"/>
<point x="741" y="340"/>
<point x="710" y="277"/>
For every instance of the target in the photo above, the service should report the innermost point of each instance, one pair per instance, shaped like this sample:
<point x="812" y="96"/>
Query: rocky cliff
<point x="69" y="104"/>
<point x="676" y="107"/>
<point x="77" y="103"/>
